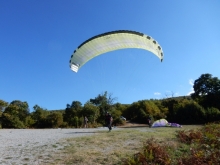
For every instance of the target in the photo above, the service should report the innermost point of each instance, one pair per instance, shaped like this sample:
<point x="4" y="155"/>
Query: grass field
<point x="112" y="147"/>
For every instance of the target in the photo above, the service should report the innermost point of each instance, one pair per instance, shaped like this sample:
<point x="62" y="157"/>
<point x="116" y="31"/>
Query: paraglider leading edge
<point x="110" y="41"/>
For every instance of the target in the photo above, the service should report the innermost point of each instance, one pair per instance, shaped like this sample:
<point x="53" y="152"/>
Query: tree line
<point x="201" y="107"/>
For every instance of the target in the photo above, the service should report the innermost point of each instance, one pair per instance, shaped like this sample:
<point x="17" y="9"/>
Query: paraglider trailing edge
<point x="110" y="41"/>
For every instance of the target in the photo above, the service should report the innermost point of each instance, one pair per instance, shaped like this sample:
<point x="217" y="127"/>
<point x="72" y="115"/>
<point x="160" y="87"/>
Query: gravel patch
<point x="39" y="146"/>
<point x="35" y="146"/>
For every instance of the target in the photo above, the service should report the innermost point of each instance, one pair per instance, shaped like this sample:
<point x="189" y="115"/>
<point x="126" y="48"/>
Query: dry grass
<point x="111" y="147"/>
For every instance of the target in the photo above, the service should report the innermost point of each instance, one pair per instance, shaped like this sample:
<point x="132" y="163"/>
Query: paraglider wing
<point x="160" y="123"/>
<point x="174" y="125"/>
<point x="164" y="123"/>
<point x="111" y="41"/>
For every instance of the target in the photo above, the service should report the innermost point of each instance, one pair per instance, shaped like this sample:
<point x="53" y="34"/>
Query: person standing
<point x="149" y="121"/>
<point x="85" y="122"/>
<point x="109" y="120"/>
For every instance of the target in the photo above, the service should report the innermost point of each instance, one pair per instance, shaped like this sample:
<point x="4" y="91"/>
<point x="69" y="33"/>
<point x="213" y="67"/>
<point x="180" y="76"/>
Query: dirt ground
<point x="131" y="124"/>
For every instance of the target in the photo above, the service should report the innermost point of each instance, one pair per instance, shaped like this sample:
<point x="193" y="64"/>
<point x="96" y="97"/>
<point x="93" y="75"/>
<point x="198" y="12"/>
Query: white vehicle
<point x="123" y="118"/>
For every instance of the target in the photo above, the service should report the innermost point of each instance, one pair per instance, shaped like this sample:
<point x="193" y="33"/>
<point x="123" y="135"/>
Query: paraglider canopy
<point x="110" y="41"/>
<point x="160" y="123"/>
<point x="165" y="123"/>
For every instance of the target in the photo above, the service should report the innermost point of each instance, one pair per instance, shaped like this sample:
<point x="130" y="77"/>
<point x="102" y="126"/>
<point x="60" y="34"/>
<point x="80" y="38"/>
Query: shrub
<point x="206" y="145"/>
<point x="195" y="147"/>
<point x="212" y="114"/>
<point x="152" y="153"/>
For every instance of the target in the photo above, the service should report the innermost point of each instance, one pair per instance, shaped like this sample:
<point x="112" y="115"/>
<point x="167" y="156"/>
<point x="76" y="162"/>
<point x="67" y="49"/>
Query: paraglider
<point x="164" y="123"/>
<point x="160" y="123"/>
<point x="110" y="41"/>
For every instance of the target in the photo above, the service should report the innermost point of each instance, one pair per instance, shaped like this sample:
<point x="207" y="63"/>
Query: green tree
<point x="116" y="114"/>
<point x="75" y="122"/>
<point x="121" y="107"/>
<point x="212" y="114"/>
<point x="39" y="116"/>
<point x="91" y="111"/>
<point x="14" y="115"/>
<point x="3" y="105"/>
<point x="163" y="110"/>
<point x="105" y="103"/>
<point x="207" y="91"/>
<point x="29" y="122"/>
<point x="10" y="117"/>
<point x="170" y="104"/>
<point x="189" y="112"/>
<point x="71" y="111"/>
<point x="141" y="110"/>
<point x="55" y="119"/>
<point x="23" y="109"/>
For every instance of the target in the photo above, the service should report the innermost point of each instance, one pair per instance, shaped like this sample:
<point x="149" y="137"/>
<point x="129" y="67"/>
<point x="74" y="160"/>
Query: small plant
<point x="189" y="136"/>
<point x="196" y="147"/>
<point x="26" y="159"/>
<point x="54" y="146"/>
<point x="206" y="150"/>
<point x="152" y="153"/>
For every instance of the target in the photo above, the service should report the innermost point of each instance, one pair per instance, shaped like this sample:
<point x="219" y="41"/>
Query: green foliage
<point x="55" y="119"/>
<point x="40" y="117"/>
<point x="170" y="104"/>
<point x="105" y="104"/>
<point x="120" y="107"/>
<point x="189" y="112"/>
<point x="211" y="135"/>
<point x="201" y="146"/>
<point x="91" y="111"/>
<point x="152" y="153"/>
<point x="212" y="114"/>
<point x="14" y="115"/>
<point x="183" y="110"/>
<point x="29" y="122"/>
<point x="3" y="104"/>
<point x="64" y="125"/>
<point x="11" y="121"/>
<point x="207" y="91"/>
<point x="205" y="145"/>
<point x="71" y="111"/>
<point x="141" y="110"/>
<point x="75" y="122"/>
<point x="116" y="114"/>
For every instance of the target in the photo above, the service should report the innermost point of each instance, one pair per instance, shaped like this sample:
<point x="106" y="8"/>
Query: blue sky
<point x="37" y="38"/>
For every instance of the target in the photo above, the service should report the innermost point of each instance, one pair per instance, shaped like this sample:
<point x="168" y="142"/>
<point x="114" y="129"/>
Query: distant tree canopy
<point x="207" y="91"/>
<point x="105" y="103"/>
<point x="201" y="107"/>
<point x="141" y="110"/>
<point x="72" y="113"/>
<point x="3" y="104"/>
<point x="14" y="114"/>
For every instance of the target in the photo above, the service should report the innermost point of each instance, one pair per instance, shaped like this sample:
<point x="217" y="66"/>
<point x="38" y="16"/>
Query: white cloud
<point x="157" y="93"/>
<point x="189" y="93"/>
<point x="176" y="94"/>
<point x="191" y="82"/>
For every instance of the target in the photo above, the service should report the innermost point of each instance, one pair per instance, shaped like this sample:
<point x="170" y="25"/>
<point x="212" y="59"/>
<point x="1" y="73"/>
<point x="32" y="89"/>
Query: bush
<point x="212" y="114"/>
<point x="152" y="153"/>
<point x="195" y="147"/>
<point x="205" y="148"/>
<point x="189" y="112"/>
